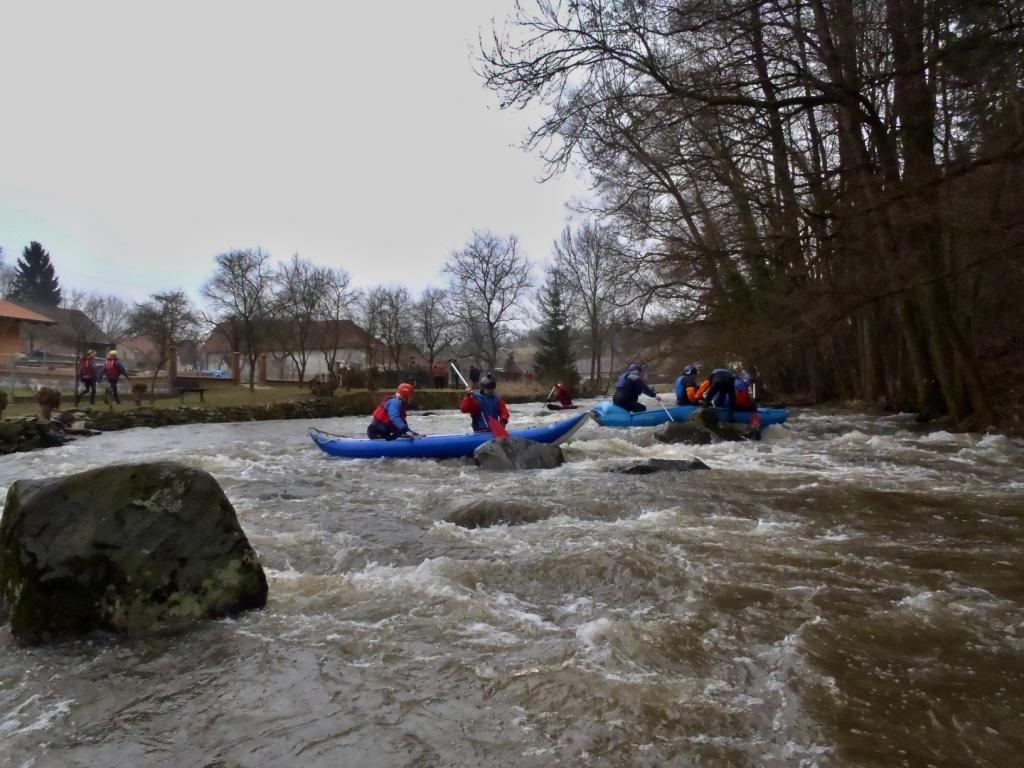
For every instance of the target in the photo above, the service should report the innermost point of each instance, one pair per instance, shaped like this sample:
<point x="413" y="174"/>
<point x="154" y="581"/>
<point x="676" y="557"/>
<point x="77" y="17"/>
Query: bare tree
<point x="338" y="302"/>
<point x="6" y="276"/>
<point x="168" y="320"/>
<point x="434" y="327"/>
<point x="298" y="296"/>
<point x="391" y="307"/>
<point x="488" y="280"/>
<point x="239" y="292"/>
<point x="110" y="313"/>
<point x="385" y="313"/>
<point x="588" y="262"/>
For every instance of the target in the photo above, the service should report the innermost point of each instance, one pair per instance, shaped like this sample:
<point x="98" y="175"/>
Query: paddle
<point x="550" y="395"/>
<point x="496" y="427"/>
<point x="755" y="417"/>
<point x="667" y="411"/>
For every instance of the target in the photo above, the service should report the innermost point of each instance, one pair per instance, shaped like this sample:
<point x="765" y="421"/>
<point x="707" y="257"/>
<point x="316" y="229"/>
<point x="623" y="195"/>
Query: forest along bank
<point x="846" y="592"/>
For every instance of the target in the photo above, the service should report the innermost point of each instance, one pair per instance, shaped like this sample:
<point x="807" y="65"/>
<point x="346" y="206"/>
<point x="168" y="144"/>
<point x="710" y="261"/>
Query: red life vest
<point x="111" y="368"/>
<point x="85" y="368"/>
<point x="380" y="413"/>
<point x="562" y="396"/>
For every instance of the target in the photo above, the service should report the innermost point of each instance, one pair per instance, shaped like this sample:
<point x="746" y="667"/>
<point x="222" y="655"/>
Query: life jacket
<point x="85" y="368"/>
<point x="702" y="389"/>
<point x="562" y="396"/>
<point x="491" y="407"/>
<point x="380" y="413"/>
<point x="686" y="389"/>
<point x="626" y="380"/>
<point x="743" y="394"/>
<point x="111" y="369"/>
<point x="629" y="387"/>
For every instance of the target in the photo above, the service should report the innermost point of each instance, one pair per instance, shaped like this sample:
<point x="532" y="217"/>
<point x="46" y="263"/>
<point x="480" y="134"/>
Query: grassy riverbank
<point x="352" y="402"/>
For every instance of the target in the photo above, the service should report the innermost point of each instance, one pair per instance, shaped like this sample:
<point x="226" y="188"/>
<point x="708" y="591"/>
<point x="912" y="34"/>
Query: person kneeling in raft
<point x="484" y="405"/>
<point x="389" y="421"/>
<point x="630" y="386"/>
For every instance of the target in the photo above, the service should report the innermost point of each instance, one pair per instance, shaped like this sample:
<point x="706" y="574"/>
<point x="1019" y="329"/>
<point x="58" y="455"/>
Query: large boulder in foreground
<point x="123" y="549"/>
<point x="508" y="453"/>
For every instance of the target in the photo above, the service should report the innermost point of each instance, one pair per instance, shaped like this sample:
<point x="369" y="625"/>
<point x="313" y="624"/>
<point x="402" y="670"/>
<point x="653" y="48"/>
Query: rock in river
<point x="507" y="453"/>
<point x="123" y="548"/>
<point x="650" y="466"/>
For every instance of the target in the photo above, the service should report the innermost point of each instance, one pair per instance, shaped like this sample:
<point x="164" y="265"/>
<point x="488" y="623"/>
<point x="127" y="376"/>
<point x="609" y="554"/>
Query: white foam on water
<point x="1001" y="443"/>
<point x="942" y="437"/>
<point x="429" y="577"/>
<point x="600" y="449"/>
<point x="590" y="633"/>
<point x="508" y="606"/>
<point x="13" y="724"/>
<point x="770" y="527"/>
<point x="481" y="633"/>
<point x="854" y="437"/>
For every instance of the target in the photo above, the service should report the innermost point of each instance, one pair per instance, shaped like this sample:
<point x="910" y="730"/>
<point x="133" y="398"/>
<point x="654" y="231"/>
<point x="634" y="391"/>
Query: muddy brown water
<point x="848" y="592"/>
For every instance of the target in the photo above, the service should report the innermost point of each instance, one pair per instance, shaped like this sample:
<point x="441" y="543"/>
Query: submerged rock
<point x="650" y="466"/>
<point x="704" y="427"/>
<point x="508" y="453"/>
<point x="123" y="549"/>
<point x="682" y="432"/>
<point x="486" y="513"/>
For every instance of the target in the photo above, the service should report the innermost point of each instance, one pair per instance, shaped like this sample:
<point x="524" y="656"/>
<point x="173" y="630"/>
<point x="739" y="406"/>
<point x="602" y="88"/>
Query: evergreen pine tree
<point x="35" y="281"/>
<point x="555" y="359"/>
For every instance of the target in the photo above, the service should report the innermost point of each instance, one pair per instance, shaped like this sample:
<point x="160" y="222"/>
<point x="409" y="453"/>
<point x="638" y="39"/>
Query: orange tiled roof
<point x="11" y="311"/>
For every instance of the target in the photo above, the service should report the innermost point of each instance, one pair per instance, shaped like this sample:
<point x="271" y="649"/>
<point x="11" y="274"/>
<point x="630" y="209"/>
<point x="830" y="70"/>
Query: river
<point x="847" y="592"/>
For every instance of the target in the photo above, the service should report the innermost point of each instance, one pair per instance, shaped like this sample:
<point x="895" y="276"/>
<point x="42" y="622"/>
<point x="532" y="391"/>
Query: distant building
<point x="65" y="338"/>
<point x="347" y="343"/>
<point x="14" y="320"/>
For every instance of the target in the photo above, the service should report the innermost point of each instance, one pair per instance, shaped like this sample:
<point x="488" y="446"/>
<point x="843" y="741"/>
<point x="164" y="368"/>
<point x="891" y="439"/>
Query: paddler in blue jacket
<point x="389" y="420"/>
<point x="483" y="405"/>
<point x="687" y="386"/>
<point x="630" y="386"/>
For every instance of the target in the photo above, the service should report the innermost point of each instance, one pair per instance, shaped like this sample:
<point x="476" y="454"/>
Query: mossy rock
<point x="123" y="549"/>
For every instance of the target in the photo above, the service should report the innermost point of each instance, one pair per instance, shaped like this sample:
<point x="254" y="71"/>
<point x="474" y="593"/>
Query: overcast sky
<point x="138" y="140"/>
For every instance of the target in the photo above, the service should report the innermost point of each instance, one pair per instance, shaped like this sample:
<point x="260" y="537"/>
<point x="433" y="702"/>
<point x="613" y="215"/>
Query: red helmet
<point x="405" y="390"/>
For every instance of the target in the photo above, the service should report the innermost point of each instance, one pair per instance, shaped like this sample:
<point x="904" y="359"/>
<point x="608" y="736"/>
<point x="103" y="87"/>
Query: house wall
<point x="10" y="337"/>
<point x="281" y="367"/>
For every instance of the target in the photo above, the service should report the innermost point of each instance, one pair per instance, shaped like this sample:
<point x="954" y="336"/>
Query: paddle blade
<point x="497" y="428"/>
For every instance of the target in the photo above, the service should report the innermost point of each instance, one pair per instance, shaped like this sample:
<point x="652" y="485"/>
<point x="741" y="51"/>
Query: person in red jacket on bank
<point x="113" y="369"/>
<point x="389" y="420"/>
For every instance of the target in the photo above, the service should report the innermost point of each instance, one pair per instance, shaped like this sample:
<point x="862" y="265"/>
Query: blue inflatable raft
<point x="438" y="446"/>
<point x="608" y="414"/>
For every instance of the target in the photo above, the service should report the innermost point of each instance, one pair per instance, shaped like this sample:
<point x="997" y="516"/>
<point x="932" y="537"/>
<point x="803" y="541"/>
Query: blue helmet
<point x="690" y="370"/>
<point x="635" y="367"/>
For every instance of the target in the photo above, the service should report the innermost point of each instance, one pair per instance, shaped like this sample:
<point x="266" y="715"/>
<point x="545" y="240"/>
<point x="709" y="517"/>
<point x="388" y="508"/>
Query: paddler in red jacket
<point x="389" y="420"/>
<point x="484" y="405"/>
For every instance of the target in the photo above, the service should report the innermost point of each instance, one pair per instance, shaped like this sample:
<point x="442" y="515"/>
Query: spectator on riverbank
<point x="440" y="374"/>
<point x="114" y="369"/>
<point x="87" y="375"/>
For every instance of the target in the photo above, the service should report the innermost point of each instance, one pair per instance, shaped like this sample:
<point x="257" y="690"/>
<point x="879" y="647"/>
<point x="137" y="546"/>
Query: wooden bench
<point x="191" y="387"/>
